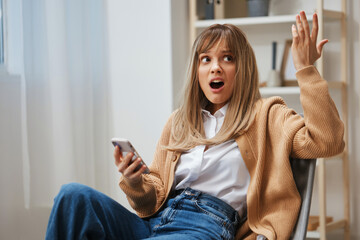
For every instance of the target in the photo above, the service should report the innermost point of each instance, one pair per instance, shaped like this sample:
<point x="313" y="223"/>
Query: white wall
<point x="354" y="114"/>
<point x="180" y="47"/>
<point x="140" y="72"/>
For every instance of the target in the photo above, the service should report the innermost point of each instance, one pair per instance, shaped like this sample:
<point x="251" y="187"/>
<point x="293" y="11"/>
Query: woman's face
<point x="216" y="73"/>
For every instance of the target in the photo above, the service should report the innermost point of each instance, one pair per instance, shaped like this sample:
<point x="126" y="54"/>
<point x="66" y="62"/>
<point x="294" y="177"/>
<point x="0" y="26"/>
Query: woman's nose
<point x="216" y="68"/>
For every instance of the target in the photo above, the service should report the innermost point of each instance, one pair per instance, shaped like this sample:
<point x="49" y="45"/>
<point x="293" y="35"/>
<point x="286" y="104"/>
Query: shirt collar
<point x="219" y="113"/>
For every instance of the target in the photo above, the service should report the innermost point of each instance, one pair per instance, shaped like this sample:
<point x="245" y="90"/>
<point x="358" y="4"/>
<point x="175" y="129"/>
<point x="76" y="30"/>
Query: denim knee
<point x="74" y="191"/>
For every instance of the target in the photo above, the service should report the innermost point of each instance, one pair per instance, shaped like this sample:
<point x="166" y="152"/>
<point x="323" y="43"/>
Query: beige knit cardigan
<point x="276" y="133"/>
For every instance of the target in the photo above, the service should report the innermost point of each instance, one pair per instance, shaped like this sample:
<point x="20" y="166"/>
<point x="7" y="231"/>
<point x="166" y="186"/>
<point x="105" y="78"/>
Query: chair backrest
<point x="304" y="173"/>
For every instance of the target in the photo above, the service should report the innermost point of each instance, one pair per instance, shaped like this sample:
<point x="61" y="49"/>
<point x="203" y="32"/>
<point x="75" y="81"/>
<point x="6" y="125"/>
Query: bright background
<point x="81" y="72"/>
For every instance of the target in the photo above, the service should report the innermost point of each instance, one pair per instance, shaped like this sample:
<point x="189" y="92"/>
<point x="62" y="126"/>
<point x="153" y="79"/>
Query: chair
<point x="304" y="173"/>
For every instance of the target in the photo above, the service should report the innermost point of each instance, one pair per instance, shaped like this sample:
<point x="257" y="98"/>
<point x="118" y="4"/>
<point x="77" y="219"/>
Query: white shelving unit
<point x="279" y="90"/>
<point x="247" y="21"/>
<point x="324" y="16"/>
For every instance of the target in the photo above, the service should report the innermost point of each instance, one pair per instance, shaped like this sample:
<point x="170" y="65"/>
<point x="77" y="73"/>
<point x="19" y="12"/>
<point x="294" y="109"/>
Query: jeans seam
<point x="222" y="225"/>
<point x="217" y="218"/>
<point x="226" y="224"/>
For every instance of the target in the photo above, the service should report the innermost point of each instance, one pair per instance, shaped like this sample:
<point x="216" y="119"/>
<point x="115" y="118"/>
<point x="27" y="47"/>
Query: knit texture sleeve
<point x="321" y="132"/>
<point x="277" y="133"/>
<point x="146" y="196"/>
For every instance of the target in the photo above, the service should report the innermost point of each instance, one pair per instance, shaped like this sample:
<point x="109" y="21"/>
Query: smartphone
<point x="125" y="147"/>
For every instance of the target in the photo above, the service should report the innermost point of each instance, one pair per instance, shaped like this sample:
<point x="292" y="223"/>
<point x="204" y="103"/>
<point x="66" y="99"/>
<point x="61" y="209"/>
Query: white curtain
<point x="66" y="114"/>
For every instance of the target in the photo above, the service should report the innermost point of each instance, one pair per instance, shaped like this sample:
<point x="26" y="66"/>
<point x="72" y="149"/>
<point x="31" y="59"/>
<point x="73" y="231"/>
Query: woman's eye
<point x="205" y="59"/>
<point x="228" y="58"/>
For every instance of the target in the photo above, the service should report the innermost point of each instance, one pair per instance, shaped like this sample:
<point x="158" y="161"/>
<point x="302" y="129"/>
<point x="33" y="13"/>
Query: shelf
<point x="329" y="227"/>
<point x="335" y="225"/>
<point x="294" y="90"/>
<point x="334" y="84"/>
<point x="279" y="90"/>
<point x="337" y="157"/>
<point x="333" y="15"/>
<point x="247" y="21"/>
<point x="312" y="234"/>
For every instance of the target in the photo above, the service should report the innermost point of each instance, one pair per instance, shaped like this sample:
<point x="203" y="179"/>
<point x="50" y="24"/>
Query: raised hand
<point x="304" y="49"/>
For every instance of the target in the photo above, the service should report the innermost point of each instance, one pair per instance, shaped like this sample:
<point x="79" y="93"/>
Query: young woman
<point x="221" y="169"/>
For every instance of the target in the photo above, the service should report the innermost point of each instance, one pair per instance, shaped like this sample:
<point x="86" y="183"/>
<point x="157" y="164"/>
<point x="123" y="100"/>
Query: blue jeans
<point x="80" y="212"/>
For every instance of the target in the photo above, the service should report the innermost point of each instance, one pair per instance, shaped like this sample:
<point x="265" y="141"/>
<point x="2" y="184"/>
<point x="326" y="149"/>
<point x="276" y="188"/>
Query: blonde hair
<point x="187" y="126"/>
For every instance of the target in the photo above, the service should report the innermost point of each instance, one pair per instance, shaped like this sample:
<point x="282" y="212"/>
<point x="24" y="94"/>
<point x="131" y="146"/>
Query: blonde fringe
<point x="187" y="127"/>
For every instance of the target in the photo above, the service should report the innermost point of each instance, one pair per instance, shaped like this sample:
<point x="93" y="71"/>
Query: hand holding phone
<point x="126" y="147"/>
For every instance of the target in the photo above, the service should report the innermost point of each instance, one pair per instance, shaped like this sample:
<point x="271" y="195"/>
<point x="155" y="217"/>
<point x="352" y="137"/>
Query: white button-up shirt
<point x="219" y="170"/>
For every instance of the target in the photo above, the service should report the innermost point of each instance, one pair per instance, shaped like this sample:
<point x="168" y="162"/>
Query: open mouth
<point x="216" y="84"/>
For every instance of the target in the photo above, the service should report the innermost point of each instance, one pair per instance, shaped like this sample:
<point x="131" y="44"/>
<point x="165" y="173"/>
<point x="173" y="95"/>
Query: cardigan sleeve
<point x="276" y="133"/>
<point x="146" y="196"/>
<point x="321" y="132"/>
